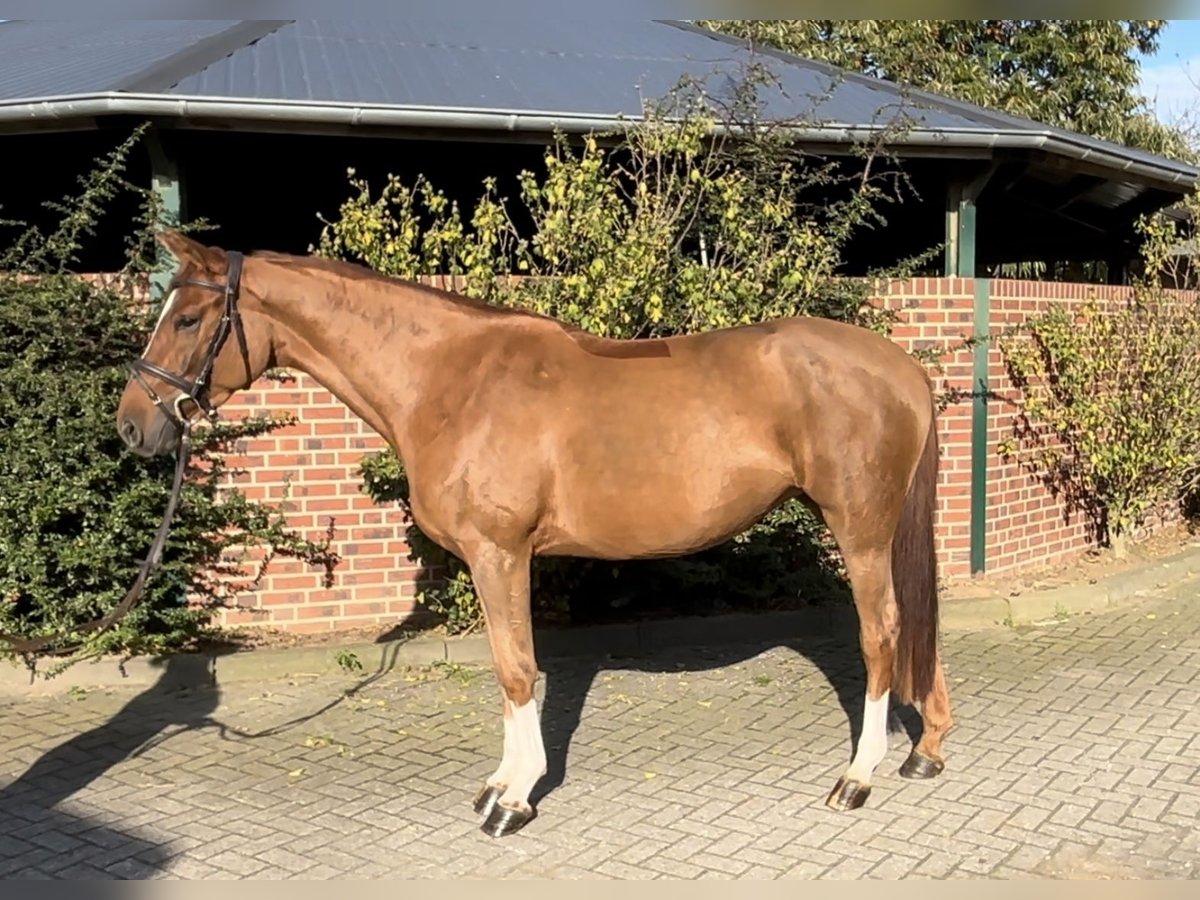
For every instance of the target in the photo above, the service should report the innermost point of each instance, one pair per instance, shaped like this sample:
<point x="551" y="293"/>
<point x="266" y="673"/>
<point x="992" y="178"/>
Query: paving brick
<point x="1076" y="755"/>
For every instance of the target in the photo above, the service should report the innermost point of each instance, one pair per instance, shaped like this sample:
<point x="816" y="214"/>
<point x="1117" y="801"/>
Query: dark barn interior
<point x="266" y="190"/>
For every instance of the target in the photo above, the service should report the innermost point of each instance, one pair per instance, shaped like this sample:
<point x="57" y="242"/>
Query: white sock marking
<point x="872" y="743"/>
<point x="528" y="759"/>
<point x="503" y="773"/>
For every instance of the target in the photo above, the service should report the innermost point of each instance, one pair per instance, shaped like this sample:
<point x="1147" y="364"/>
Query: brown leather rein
<point x="195" y="391"/>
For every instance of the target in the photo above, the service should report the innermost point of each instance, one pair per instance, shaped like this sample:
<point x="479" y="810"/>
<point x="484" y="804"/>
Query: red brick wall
<point x="310" y="470"/>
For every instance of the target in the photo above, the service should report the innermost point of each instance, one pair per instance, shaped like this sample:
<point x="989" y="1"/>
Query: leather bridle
<point x="196" y="391"/>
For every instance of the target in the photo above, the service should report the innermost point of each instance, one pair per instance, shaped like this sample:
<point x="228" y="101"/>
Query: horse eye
<point x="186" y="323"/>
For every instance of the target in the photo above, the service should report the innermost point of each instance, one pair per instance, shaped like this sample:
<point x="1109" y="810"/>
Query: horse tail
<point x="914" y="579"/>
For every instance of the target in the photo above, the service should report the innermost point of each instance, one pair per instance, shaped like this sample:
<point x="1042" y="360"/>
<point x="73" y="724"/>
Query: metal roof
<point x="493" y="69"/>
<point x="43" y="59"/>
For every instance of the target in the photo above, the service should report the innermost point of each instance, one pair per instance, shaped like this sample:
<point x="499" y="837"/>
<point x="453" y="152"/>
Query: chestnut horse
<point x="522" y="435"/>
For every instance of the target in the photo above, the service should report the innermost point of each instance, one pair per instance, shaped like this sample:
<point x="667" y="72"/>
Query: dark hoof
<point x="847" y="795"/>
<point x="502" y="821"/>
<point x="920" y="766"/>
<point x="486" y="799"/>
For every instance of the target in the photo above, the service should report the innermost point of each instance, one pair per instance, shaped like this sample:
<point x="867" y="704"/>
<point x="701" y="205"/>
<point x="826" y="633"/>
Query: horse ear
<point x="186" y="250"/>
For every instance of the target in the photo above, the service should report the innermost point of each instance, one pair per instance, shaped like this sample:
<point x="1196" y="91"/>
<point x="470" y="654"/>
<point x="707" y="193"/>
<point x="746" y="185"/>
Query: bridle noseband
<point x="197" y="391"/>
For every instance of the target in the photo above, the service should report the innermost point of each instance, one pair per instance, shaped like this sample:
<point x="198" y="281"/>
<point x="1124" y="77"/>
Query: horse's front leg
<point x="501" y="577"/>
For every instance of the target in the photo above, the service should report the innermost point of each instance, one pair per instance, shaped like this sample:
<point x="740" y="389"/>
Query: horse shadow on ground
<point x="833" y="647"/>
<point x="40" y="839"/>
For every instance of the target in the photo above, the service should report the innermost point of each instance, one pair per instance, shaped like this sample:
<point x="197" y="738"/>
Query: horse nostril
<point x="131" y="434"/>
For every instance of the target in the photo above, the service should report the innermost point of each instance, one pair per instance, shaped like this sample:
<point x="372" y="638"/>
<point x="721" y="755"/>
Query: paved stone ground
<point x="1077" y="755"/>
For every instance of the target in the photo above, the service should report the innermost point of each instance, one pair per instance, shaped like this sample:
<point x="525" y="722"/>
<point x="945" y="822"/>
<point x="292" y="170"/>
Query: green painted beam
<point x="981" y="387"/>
<point x="953" y="205"/>
<point x="167" y="185"/>
<point x="965" y="267"/>
<point x="960" y="261"/>
<point x="966" y="238"/>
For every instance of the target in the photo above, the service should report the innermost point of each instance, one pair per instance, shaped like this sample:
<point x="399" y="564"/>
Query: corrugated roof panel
<point x="1111" y="194"/>
<point x="40" y="59"/>
<point x="501" y="62"/>
<point x="437" y="57"/>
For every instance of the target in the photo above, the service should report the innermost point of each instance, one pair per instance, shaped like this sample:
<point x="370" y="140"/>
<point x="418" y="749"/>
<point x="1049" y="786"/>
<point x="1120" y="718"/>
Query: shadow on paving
<point x="835" y="652"/>
<point x="37" y="837"/>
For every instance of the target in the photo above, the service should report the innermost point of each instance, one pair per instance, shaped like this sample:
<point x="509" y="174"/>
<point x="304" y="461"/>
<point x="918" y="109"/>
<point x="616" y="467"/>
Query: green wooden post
<point x="979" y="425"/>
<point x="966" y="237"/>
<point x="953" y="205"/>
<point x="965" y="267"/>
<point x="961" y="217"/>
<point x="167" y="184"/>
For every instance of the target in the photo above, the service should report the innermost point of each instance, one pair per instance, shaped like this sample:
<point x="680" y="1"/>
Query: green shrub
<point x="77" y="510"/>
<point x="1110" y="410"/>
<point x="663" y="229"/>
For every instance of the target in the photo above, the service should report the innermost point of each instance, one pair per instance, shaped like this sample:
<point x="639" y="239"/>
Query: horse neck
<point x="369" y="343"/>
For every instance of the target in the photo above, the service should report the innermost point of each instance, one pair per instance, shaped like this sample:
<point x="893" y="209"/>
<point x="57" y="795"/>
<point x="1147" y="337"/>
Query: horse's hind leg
<point x="502" y="579"/>
<point x="925" y="760"/>
<point x="871" y="581"/>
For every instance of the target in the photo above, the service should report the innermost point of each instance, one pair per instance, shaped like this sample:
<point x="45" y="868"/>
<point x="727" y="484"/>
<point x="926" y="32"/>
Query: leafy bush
<point x="77" y="510"/>
<point x="663" y="230"/>
<point x="1111" y="410"/>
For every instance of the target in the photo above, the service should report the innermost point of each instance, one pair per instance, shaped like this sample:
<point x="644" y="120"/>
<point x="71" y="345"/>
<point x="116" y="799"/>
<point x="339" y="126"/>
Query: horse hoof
<point x="485" y="800"/>
<point x="848" y="795"/>
<point x="502" y="821"/>
<point x="920" y="766"/>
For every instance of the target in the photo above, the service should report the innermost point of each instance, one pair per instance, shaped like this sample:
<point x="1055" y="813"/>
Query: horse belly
<point x="671" y="508"/>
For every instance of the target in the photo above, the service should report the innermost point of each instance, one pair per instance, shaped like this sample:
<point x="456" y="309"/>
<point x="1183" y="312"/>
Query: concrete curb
<point x="1072" y="599"/>
<point x="962" y="613"/>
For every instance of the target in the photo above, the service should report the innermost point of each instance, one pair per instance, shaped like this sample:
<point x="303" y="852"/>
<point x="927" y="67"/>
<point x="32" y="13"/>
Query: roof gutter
<point x="359" y="115"/>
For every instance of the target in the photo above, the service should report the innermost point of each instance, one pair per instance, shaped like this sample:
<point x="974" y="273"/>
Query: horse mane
<point x="591" y="343"/>
<point x="358" y="272"/>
